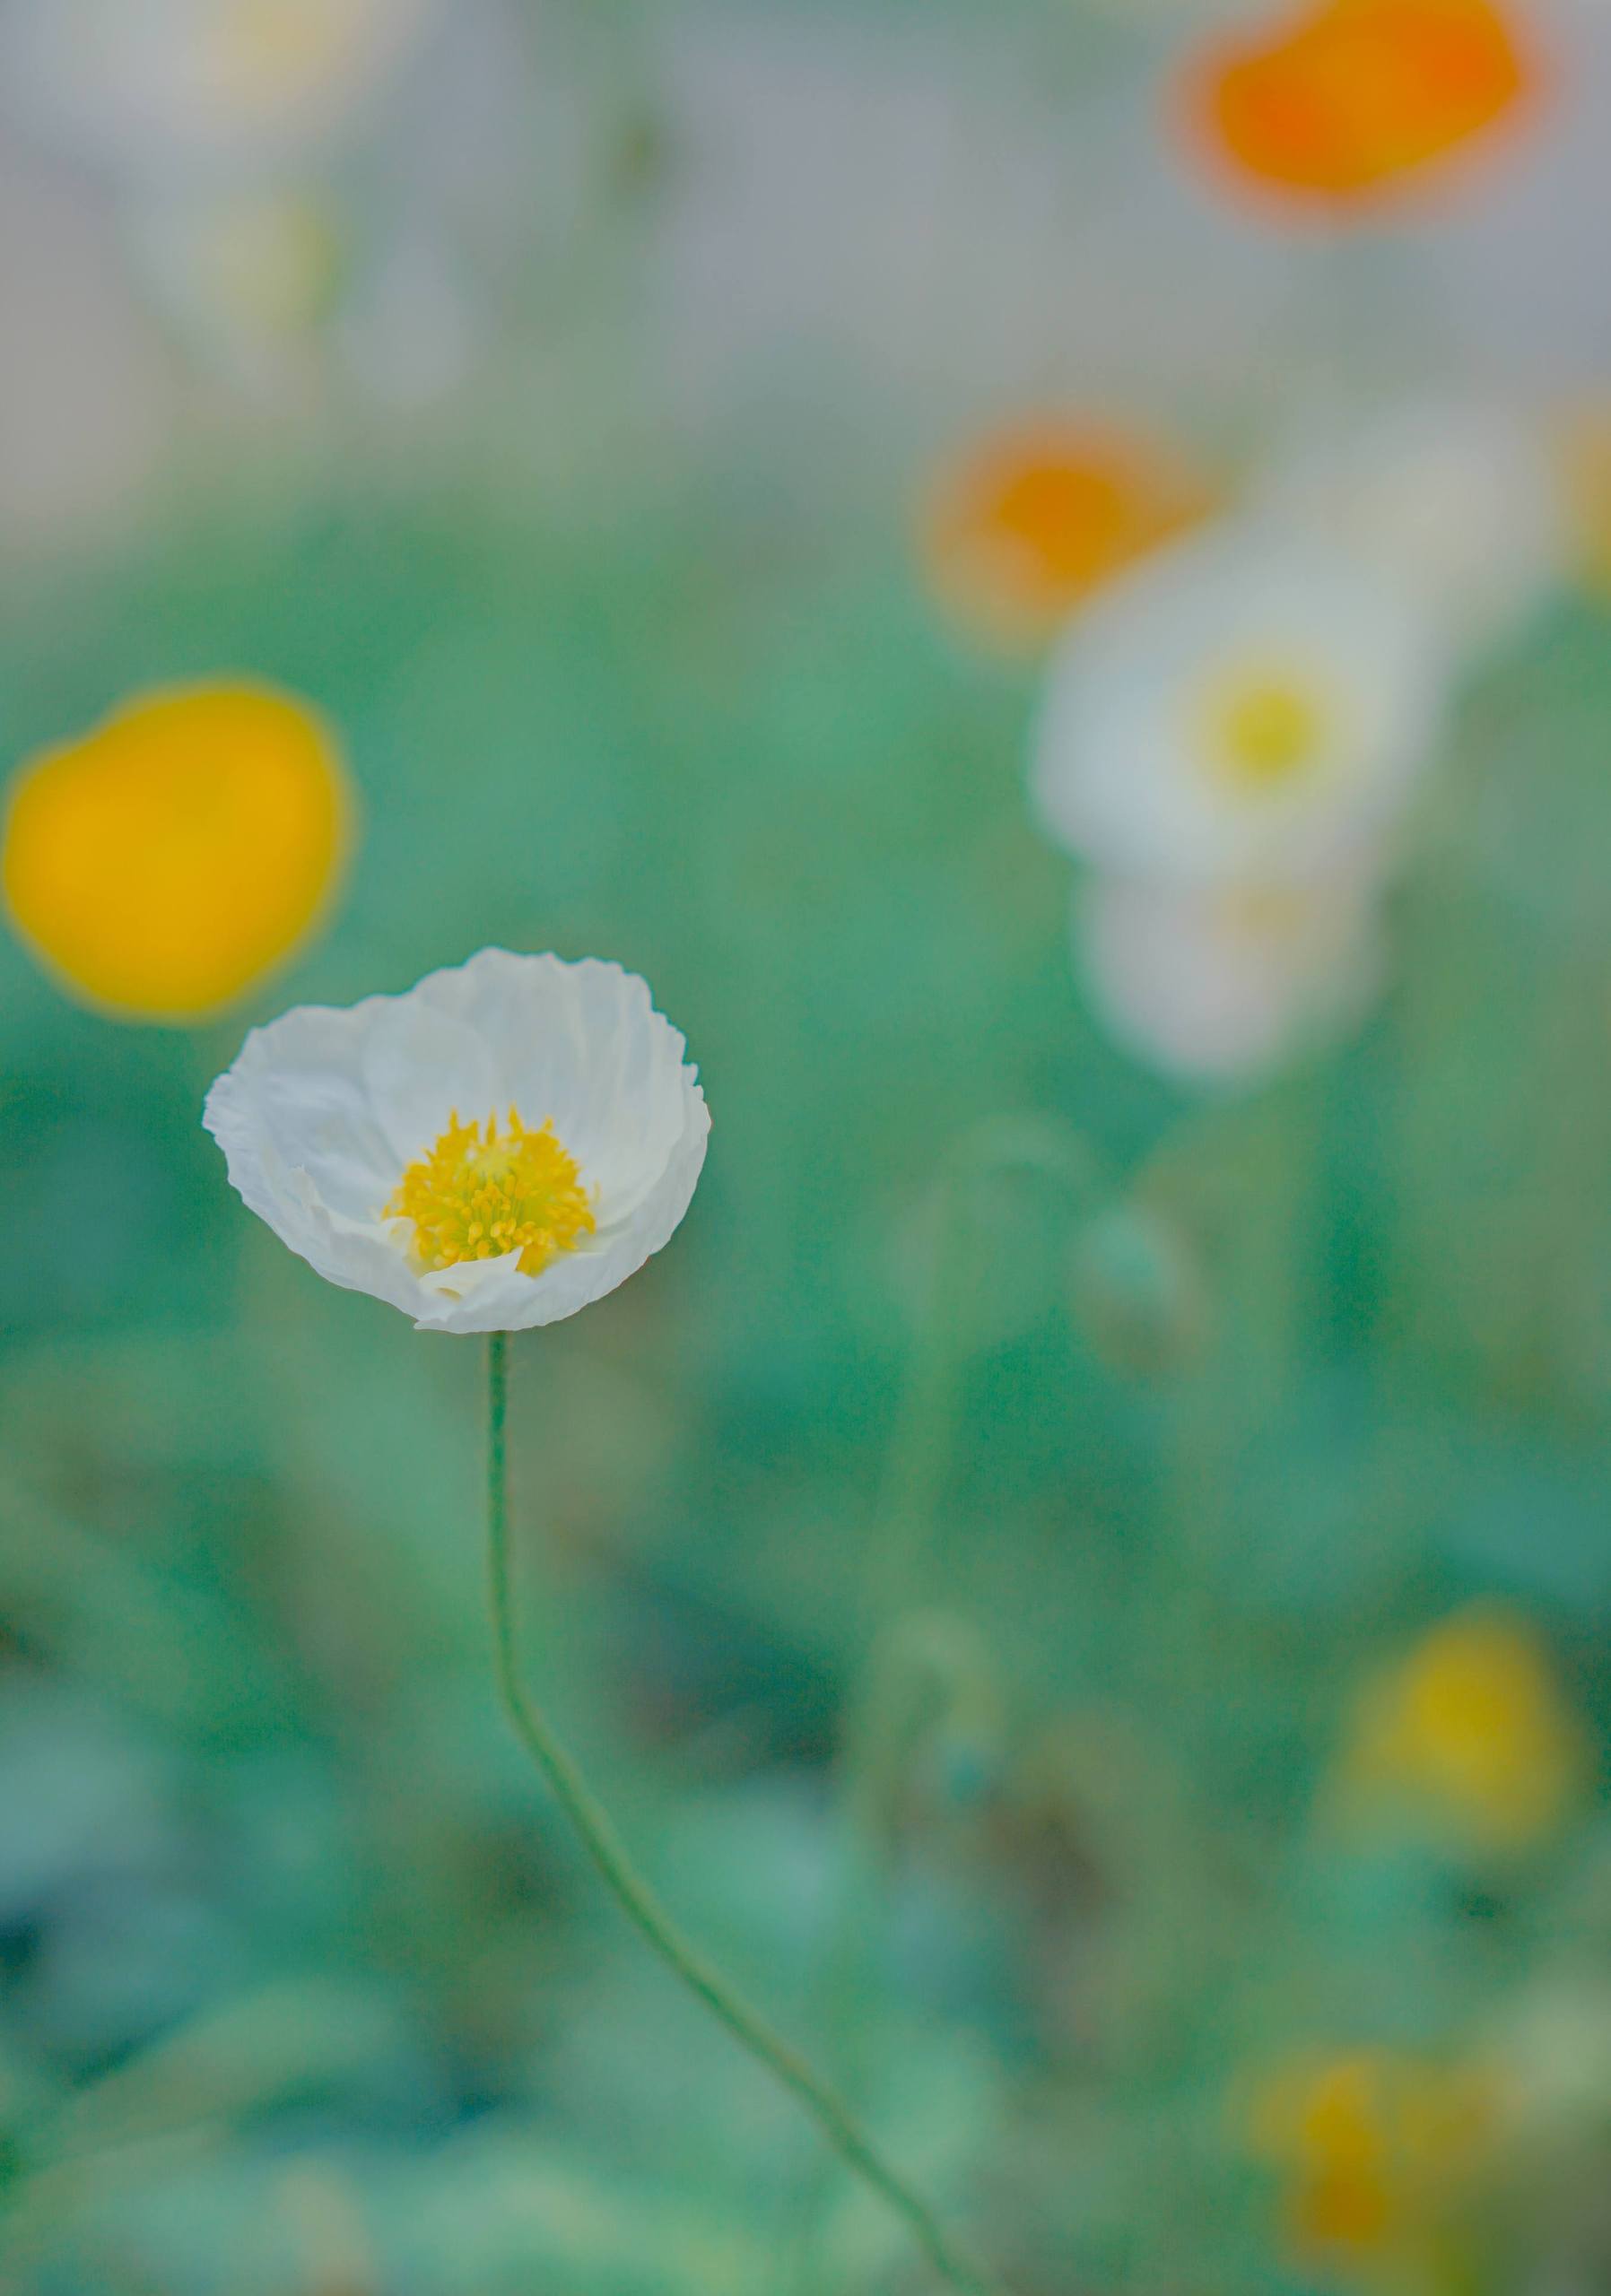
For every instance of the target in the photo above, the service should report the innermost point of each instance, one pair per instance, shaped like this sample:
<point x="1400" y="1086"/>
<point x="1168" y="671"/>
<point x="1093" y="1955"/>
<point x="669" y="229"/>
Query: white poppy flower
<point x="1458" y="501"/>
<point x="1218" y="982"/>
<point x="1244" y="705"/>
<point x="499" y="1147"/>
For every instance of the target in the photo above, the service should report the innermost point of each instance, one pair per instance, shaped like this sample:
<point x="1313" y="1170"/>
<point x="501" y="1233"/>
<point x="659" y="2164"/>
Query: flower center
<point x="1264" y="729"/>
<point x="478" y="1194"/>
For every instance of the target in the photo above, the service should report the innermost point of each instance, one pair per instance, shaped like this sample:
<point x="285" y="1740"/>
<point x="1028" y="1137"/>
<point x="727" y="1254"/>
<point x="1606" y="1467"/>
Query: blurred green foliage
<point x="304" y="1987"/>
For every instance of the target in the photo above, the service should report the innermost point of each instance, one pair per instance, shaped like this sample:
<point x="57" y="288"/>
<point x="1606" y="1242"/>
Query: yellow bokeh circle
<point x="163" y="865"/>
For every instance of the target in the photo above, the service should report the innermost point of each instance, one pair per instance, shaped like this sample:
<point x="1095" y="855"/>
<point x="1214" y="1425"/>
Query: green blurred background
<point x="1106" y="1433"/>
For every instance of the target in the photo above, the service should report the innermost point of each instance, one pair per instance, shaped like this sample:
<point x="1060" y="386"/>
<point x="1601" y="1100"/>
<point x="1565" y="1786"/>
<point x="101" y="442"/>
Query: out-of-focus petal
<point x="1343" y="101"/>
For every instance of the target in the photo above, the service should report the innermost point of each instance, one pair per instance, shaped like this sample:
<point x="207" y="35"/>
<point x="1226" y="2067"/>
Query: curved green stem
<point x="644" y="1910"/>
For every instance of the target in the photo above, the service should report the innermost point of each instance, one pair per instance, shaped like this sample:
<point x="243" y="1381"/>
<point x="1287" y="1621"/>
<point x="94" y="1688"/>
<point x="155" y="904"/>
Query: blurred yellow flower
<point x="1377" y="2150"/>
<point x="1339" y="103"/>
<point x="1472" y="1732"/>
<point x="182" y="849"/>
<point x="1034" y="517"/>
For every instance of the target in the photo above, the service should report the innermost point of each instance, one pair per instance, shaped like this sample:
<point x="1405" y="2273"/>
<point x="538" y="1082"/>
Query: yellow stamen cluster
<point x="1264" y="730"/>
<point x="478" y="1194"/>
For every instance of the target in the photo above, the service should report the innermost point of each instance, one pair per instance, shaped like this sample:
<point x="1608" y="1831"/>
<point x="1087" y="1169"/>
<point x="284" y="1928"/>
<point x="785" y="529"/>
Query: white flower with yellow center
<point x="499" y="1147"/>
<point x="1246" y="705"/>
<point x="1221" y="981"/>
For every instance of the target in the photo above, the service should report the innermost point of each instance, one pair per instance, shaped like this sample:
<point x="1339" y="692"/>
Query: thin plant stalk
<point x="896" y="1668"/>
<point x="896" y="1678"/>
<point x="920" y="1453"/>
<point x="597" y="1835"/>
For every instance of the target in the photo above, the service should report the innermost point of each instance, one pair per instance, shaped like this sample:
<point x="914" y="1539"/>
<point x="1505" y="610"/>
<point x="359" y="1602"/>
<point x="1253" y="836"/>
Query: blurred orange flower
<point x="164" y="863"/>
<point x="1471" y="1731"/>
<point x="1347" y="99"/>
<point x="1034" y="517"/>
<point x="1378" y="2149"/>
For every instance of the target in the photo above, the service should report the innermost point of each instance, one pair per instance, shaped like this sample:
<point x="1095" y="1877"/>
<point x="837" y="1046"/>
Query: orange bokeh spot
<point x="1032" y="519"/>
<point x="1350" y="98"/>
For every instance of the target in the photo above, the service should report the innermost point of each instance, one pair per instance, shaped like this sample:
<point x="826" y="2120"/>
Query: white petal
<point x="420" y="1067"/>
<point x="296" y="1088"/>
<point x="323" y="1109"/>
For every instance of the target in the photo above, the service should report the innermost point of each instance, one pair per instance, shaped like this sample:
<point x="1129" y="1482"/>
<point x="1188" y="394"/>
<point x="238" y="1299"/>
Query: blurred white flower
<point x="1220" y="982"/>
<point x="173" y="90"/>
<point x="379" y="268"/>
<point x="1457" y="500"/>
<point x="414" y="325"/>
<point x="279" y="289"/>
<point x="246" y="278"/>
<point x="1245" y="705"/>
<point x="499" y="1147"/>
<point x="88" y="408"/>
